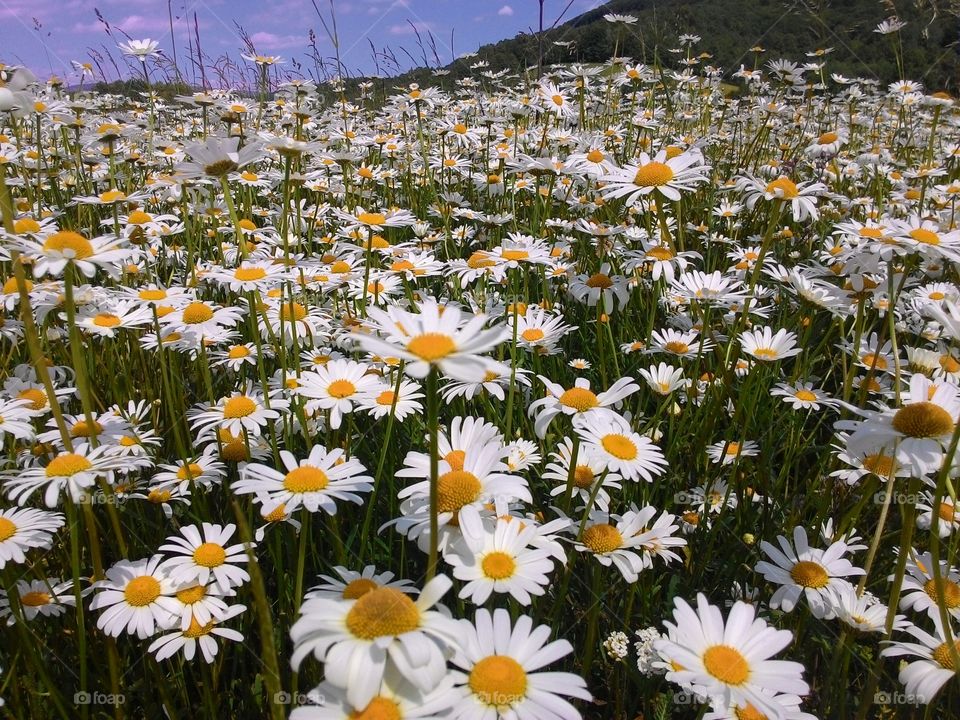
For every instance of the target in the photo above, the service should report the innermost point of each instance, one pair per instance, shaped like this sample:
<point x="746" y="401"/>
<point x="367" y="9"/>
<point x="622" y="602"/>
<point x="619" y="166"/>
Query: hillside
<point x="730" y="28"/>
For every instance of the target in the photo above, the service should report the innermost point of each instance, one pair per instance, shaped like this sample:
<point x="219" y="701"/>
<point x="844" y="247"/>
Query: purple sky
<point x="46" y="35"/>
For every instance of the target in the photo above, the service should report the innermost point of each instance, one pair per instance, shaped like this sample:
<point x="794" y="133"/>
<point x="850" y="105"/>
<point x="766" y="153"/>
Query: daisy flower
<point x="335" y="387"/>
<point x="864" y="613"/>
<point x="802" y="197"/>
<point x="729" y="662"/>
<point x="25" y="528"/>
<point x="805" y="571"/>
<point x="925" y="677"/>
<point x="726" y="452"/>
<point x="135" y="597"/>
<point x="351" y="584"/>
<point x="496" y="557"/>
<point x="359" y="640"/>
<point x="66" y="247"/>
<point x="196" y="635"/>
<point x="763" y="344"/>
<point x="625" y="452"/>
<point x="382" y="397"/>
<point x="589" y="470"/>
<point x="435" y="336"/>
<point x="396" y="698"/>
<point x="804" y="396"/>
<point x="49" y="597"/>
<point x="948" y="511"/>
<point x="74" y="472"/>
<point x="498" y="674"/>
<point x="668" y="176"/>
<point x="15" y="416"/>
<point x="601" y="287"/>
<point x="663" y="379"/>
<point x="919" y="432"/>
<point x="241" y="411"/>
<point x="203" y="553"/>
<point x="615" y="540"/>
<point x="314" y="483"/>
<point x="919" y="592"/>
<point x="579" y="401"/>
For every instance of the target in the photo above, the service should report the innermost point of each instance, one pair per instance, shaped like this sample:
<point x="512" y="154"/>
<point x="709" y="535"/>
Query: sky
<point x="45" y="35"/>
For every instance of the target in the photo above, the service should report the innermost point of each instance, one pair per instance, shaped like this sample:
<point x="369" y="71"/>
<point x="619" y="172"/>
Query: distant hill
<point x="730" y="28"/>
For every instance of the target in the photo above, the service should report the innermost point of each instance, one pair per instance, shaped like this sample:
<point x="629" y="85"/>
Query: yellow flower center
<point x="106" y="320"/>
<point x="675" y="346"/>
<point x="380" y="708"/>
<point x="515" y="254"/>
<point x="950" y="596"/>
<point x="142" y="591"/>
<point x="356" y="589"/>
<point x="480" y="260"/>
<point x="244" y="274"/>
<point x="583" y="476"/>
<point x="432" y="346"/>
<point x="602" y="538"/>
<point x="238" y="407"/>
<point x="455" y="459"/>
<point x="7" y="528"/>
<point x="949" y="364"/>
<point x="943" y="657"/>
<point x="382" y="612"/>
<point x="26" y="225"/>
<point x="653" y="174"/>
<point x="305" y="479"/>
<point x="726" y="664"/>
<point x="809" y="574"/>
<point x="386" y="398"/>
<point x="498" y="680"/>
<point x="927" y="237"/>
<point x="580" y="399"/>
<point x="81" y="429"/>
<point x="67" y="465"/>
<point x="923" y="420"/>
<point x="341" y="389"/>
<point x="69" y="244"/>
<point x="749" y="712"/>
<point x="197" y="630"/>
<point x="292" y="312"/>
<point x="372" y="218"/>
<point x="112" y="196"/>
<point x="783" y="187"/>
<point x="805" y="396"/>
<point x="660" y="253"/>
<point x="150" y="295"/>
<point x="159" y="496"/>
<point x="189" y="471"/>
<point x="874" y="361"/>
<point x="456" y="489"/>
<point x="196" y="313"/>
<point x="35" y="598"/>
<point x="765" y="353"/>
<point x="11" y="286"/>
<point x="238" y="351"/>
<point x="827" y="138"/>
<point x="595" y="156"/>
<point x="620" y="446"/>
<point x="498" y="565"/>
<point x="190" y="595"/>
<point x="209" y="555"/>
<point x="532" y="334"/>
<point x="599" y="280"/>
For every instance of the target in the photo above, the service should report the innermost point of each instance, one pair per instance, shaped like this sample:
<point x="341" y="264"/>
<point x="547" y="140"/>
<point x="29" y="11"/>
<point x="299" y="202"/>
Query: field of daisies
<point x="619" y="393"/>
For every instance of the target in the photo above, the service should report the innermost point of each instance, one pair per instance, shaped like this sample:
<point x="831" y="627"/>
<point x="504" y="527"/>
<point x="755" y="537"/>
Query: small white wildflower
<point x="616" y="646"/>
<point x="646" y="655"/>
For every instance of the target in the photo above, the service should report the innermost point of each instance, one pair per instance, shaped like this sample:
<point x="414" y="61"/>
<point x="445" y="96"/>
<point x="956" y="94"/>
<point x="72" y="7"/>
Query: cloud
<point x="505" y="11"/>
<point x="406" y="28"/>
<point x="271" y="41"/>
<point x="131" y="24"/>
